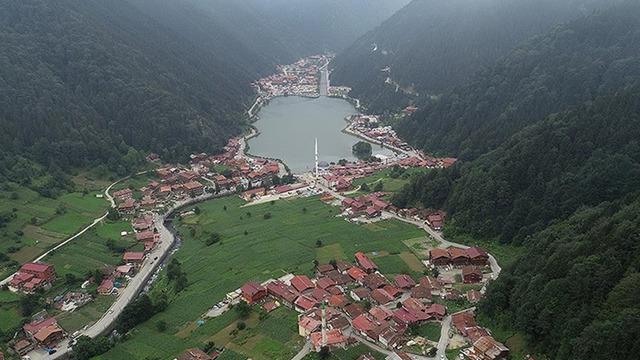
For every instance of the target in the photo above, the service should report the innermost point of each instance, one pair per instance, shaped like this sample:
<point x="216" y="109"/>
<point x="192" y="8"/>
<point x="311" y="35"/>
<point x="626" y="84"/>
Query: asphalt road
<point x="133" y="288"/>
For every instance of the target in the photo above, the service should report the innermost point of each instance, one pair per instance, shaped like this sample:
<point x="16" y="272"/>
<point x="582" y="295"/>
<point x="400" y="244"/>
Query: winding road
<point x="446" y="323"/>
<point x="134" y="287"/>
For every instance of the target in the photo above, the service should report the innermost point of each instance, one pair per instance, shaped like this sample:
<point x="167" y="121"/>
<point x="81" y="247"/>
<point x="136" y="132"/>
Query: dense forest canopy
<point x="432" y="45"/>
<point x="95" y="83"/>
<point x="550" y="135"/>
<point x="571" y="64"/>
<point x="575" y="290"/>
<point x="316" y="26"/>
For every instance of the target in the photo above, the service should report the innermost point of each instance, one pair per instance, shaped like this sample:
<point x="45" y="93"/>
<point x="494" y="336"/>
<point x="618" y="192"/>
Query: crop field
<point x="89" y="251"/>
<point x="429" y="330"/>
<point x="389" y="183"/>
<point x="72" y="321"/>
<point x="348" y="354"/>
<point x="38" y="223"/>
<point x="252" y="247"/>
<point x="9" y="316"/>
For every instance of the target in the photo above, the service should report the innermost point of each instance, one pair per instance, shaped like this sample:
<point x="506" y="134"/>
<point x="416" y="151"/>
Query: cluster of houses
<point x="41" y="331"/>
<point x="352" y="300"/>
<point x="32" y="277"/>
<point x="483" y="345"/>
<point x="299" y="78"/>
<point x="340" y="177"/>
<point x="368" y="126"/>
<point x="370" y="205"/>
<point x="470" y="260"/>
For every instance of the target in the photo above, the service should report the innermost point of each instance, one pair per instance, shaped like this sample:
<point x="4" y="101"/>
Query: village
<point x="299" y="78"/>
<point x="345" y="303"/>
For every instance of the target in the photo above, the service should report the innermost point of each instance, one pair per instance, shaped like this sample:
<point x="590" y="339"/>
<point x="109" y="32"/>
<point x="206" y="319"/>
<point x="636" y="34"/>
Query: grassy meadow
<point x="39" y="223"/>
<point x="253" y="247"/>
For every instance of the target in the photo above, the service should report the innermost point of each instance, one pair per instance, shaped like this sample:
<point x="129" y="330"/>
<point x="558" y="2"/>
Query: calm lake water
<point x="289" y="125"/>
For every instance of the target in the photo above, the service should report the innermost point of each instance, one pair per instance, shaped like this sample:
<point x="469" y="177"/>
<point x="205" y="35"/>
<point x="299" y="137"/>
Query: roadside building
<point x="33" y="276"/>
<point x="471" y="274"/>
<point x="458" y="256"/>
<point x="282" y="292"/>
<point x="307" y="325"/>
<point x="302" y="283"/>
<point x="439" y="257"/>
<point x="404" y="281"/>
<point x="194" y="188"/>
<point x="477" y="256"/>
<point x="106" y="287"/>
<point x="381" y="297"/>
<point x="252" y="292"/>
<point x="194" y="354"/>
<point x="133" y="257"/>
<point x="374" y="281"/>
<point x="332" y="338"/>
<point x="365" y="263"/>
<point x="487" y="348"/>
<point x="462" y="321"/>
<point x="44" y="332"/>
<point x="357" y="274"/>
<point x="305" y="303"/>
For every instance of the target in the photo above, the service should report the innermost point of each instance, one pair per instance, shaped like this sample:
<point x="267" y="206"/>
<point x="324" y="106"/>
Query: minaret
<point x="324" y="325"/>
<point x="316" y="168"/>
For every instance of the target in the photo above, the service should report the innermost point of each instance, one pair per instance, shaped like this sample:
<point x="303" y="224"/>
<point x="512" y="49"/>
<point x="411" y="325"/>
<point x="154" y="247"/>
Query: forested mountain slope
<point x="315" y="26"/>
<point x="88" y="82"/>
<point x="574" y="292"/>
<point x="569" y="65"/>
<point x="568" y="190"/>
<point x="558" y="121"/>
<point x="545" y="172"/>
<point x="432" y="45"/>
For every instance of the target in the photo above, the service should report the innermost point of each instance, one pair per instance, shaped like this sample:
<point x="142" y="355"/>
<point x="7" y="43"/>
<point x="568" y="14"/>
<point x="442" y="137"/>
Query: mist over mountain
<point x="316" y="26"/>
<point x="554" y="169"/>
<point x="570" y="64"/>
<point x="431" y="46"/>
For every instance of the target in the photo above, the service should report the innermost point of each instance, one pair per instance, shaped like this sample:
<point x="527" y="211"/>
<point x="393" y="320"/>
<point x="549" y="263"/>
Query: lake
<point x="289" y="125"/>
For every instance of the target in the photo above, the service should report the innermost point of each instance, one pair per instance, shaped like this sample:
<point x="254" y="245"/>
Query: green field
<point x="40" y="222"/>
<point x="72" y="321"/>
<point x="389" y="183"/>
<point x="86" y="253"/>
<point x="89" y="251"/>
<point x="135" y="183"/>
<point x="429" y="330"/>
<point x="348" y="354"/>
<point x="9" y="317"/>
<point x="252" y="248"/>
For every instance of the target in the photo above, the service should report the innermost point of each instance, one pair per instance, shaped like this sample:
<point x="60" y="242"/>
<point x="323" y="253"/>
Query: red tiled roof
<point x="365" y="262"/>
<point x="439" y="253"/>
<point x="356" y="273"/>
<point x="35" y="326"/>
<point x="35" y="267"/>
<point x="363" y="323"/>
<point x="252" y="288"/>
<point x="338" y="300"/>
<point x="333" y="337"/>
<point x="476" y="252"/>
<point x="455" y="252"/>
<point x="437" y="310"/>
<point x="302" y="282"/>
<point x="325" y="282"/>
<point x="405" y="281"/>
<point x="133" y="256"/>
<point x="381" y="296"/>
<point x="305" y="303"/>
<point x="380" y="313"/>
